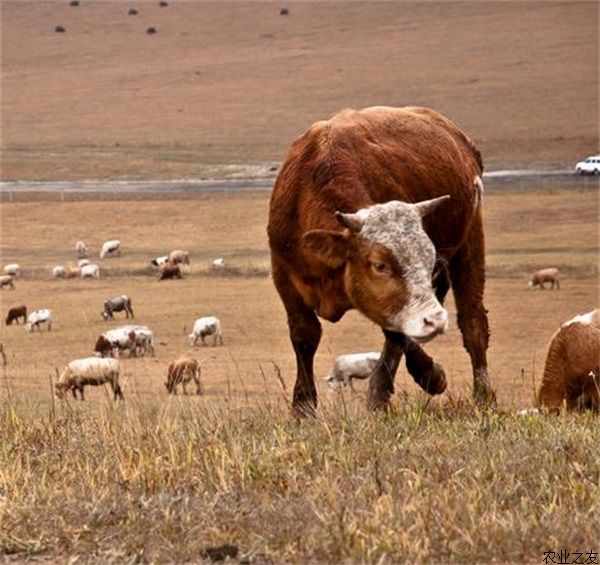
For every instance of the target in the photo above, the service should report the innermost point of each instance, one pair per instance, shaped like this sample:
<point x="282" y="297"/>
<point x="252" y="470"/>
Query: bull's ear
<point x="427" y="206"/>
<point x="330" y="247"/>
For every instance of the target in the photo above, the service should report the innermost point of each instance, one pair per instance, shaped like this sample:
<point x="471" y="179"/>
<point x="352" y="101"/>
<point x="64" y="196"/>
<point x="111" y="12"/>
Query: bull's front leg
<point x="381" y="384"/>
<point x="305" y="335"/>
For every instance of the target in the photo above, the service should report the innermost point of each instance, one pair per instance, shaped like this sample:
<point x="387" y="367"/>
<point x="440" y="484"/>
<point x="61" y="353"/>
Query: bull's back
<point x="360" y="158"/>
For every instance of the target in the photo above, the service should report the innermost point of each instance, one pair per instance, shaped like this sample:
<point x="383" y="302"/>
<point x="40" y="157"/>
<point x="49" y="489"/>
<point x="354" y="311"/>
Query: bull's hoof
<point x="378" y="404"/>
<point x="484" y="396"/>
<point x="432" y="380"/>
<point x="302" y="409"/>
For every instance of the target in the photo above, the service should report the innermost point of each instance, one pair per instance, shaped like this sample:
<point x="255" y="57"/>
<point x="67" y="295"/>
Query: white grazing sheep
<point x="59" y="272"/>
<point x="39" y="317"/>
<point x="111" y="248"/>
<point x="81" y="249"/>
<point x="13" y="269"/>
<point x="205" y="327"/>
<point x="89" y="371"/>
<point x="91" y="271"/>
<point x="352" y="366"/>
<point x="572" y="368"/>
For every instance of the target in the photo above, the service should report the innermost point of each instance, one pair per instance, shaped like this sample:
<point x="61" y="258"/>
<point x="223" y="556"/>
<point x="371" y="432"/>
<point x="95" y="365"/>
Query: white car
<point x="591" y="166"/>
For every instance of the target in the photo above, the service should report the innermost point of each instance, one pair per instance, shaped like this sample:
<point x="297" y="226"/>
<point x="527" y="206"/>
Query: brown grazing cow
<point x="15" y="313"/>
<point x="182" y="371"/>
<point x="380" y="210"/>
<point x="544" y="276"/>
<point x="169" y="270"/>
<point x="572" y="368"/>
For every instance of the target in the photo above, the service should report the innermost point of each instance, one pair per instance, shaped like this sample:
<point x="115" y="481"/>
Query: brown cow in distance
<point x="380" y="210"/>
<point x="169" y="270"/>
<point x="15" y="313"/>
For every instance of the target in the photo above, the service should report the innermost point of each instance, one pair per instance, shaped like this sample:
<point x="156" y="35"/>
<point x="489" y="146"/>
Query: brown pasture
<point x="525" y="230"/>
<point x="224" y="83"/>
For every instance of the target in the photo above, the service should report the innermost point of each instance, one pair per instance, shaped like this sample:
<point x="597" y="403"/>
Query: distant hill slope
<point x="235" y="82"/>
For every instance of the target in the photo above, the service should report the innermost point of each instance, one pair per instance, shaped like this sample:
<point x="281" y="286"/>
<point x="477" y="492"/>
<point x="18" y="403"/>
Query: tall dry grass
<point x="164" y="482"/>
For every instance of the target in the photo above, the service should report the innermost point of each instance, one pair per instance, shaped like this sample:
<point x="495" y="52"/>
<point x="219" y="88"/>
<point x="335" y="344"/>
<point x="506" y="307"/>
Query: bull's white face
<point x="389" y="262"/>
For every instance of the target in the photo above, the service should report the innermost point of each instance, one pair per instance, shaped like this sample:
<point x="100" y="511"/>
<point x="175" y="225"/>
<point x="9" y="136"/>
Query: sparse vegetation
<point x="165" y="481"/>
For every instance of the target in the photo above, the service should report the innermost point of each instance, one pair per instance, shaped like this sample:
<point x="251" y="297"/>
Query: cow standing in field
<point x="81" y="249"/>
<point x="204" y="327"/>
<point x="183" y="371"/>
<point x="117" y="304"/>
<point x="169" y="270"/>
<point x="179" y="256"/>
<point x="543" y="276"/>
<point x="89" y="371"/>
<point x="39" y="317"/>
<point x="380" y="210"/>
<point x="15" y="313"/>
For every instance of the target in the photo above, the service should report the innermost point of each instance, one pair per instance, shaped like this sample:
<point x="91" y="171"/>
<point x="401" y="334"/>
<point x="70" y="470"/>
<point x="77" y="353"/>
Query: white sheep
<point x="59" y="272"/>
<point x="91" y="271"/>
<point x="13" y="269"/>
<point x="111" y="248"/>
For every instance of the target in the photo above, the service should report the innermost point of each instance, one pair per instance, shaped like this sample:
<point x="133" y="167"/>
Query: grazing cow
<point x="544" y="276"/>
<point x="182" y="371"/>
<point x="572" y="369"/>
<point x="81" y="249"/>
<point x="143" y="341"/>
<point x="39" y="317"/>
<point x="110" y="248"/>
<point x="352" y="366"/>
<point x="178" y="256"/>
<point x="206" y="327"/>
<point x="13" y="269"/>
<point x="219" y="264"/>
<point x="380" y="210"/>
<point x="117" y="304"/>
<point x="8" y="281"/>
<point x="169" y="271"/>
<point x="131" y="339"/>
<point x="89" y="371"/>
<point x="91" y="271"/>
<point x="15" y="313"/>
<point x="158" y="261"/>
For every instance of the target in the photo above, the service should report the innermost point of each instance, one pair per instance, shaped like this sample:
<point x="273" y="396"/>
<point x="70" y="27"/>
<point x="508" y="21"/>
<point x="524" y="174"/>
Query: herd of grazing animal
<point x="362" y="216"/>
<point x="129" y="340"/>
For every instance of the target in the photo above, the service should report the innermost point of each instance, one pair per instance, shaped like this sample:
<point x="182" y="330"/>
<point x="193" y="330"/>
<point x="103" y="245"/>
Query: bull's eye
<point x="380" y="268"/>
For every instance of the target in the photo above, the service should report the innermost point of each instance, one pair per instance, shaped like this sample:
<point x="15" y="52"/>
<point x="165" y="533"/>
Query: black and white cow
<point x="117" y="304"/>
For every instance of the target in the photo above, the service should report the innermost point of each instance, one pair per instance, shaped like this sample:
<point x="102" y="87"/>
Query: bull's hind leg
<point x="305" y="334"/>
<point x="467" y="275"/>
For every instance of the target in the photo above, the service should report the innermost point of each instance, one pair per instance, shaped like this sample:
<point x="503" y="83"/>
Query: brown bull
<point x="380" y="210"/>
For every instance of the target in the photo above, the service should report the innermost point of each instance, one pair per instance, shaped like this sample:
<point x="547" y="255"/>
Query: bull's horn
<point x="427" y="206"/>
<point x="351" y="221"/>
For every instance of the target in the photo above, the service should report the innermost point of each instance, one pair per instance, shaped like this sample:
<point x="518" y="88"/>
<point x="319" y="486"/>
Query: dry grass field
<point x="161" y="479"/>
<point x="219" y="91"/>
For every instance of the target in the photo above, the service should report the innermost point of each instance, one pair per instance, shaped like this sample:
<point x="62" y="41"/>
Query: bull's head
<point x="388" y="262"/>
